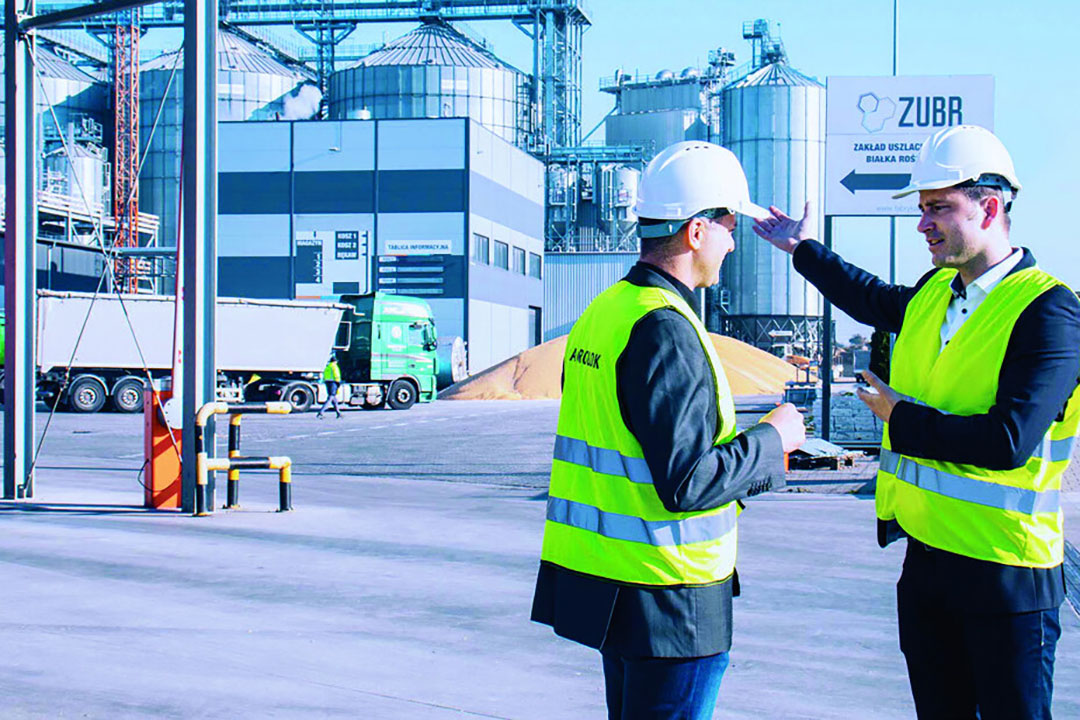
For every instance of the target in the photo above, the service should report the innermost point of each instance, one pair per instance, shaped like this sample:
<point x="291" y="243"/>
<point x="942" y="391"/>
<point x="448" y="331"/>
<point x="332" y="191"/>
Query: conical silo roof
<point x="234" y="53"/>
<point x="53" y="65"/>
<point x="433" y="43"/>
<point x="777" y="73"/>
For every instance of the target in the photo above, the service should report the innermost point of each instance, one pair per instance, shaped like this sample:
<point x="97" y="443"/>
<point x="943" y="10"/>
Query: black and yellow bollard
<point x="232" y="501"/>
<point x="202" y="469"/>
<point x="284" y="467"/>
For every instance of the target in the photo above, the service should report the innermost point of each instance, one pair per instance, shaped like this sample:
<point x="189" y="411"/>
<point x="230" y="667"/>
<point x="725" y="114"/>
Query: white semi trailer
<point x="286" y="343"/>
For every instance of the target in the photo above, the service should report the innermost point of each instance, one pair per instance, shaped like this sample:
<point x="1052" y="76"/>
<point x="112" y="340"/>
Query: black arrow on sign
<point x="874" y="181"/>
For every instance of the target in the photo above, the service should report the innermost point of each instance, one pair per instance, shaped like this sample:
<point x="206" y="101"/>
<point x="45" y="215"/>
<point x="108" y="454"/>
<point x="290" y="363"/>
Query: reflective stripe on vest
<point x="1010" y="516"/>
<point x="969" y="489"/>
<point x="1055" y="450"/>
<point x="702" y="528"/>
<point x="602" y="460"/>
<point x="604" y="517"/>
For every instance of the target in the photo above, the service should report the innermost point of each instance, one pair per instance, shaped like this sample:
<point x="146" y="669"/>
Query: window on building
<point x="519" y="261"/>
<point x="535" y="263"/>
<point x="481" y="248"/>
<point x="502" y="255"/>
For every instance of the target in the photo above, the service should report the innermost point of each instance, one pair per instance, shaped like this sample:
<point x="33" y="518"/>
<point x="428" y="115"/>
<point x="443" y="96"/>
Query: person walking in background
<point x="332" y="381"/>
<point x="980" y="417"/>
<point x="638" y="557"/>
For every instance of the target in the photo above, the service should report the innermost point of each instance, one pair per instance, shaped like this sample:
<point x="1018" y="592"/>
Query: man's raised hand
<point x="786" y="232"/>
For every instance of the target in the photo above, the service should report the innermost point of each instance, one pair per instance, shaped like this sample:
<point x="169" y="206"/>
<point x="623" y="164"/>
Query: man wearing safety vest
<point x="332" y="380"/>
<point x="981" y="409"/>
<point x="638" y="558"/>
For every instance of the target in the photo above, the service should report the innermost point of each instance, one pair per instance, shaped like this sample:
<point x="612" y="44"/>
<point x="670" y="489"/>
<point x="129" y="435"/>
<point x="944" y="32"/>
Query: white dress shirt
<point x="966" y="299"/>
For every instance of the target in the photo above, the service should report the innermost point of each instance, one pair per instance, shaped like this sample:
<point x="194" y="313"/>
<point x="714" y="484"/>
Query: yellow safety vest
<point x="604" y="517"/>
<point x="1012" y="517"/>
<point x="332" y="372"/>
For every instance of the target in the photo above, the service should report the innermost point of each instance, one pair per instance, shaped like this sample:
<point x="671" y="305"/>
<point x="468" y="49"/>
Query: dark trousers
<point x="331" y="397"/>
<point x="966" y="665"/>
<point x="662" y="688"/>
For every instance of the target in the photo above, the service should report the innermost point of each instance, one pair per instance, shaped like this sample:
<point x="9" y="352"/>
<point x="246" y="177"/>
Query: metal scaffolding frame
<point x="21" y="22"/>
<point x="556" y="28"/>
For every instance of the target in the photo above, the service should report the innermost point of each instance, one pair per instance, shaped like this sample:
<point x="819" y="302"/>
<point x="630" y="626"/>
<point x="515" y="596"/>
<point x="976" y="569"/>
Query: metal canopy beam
<point x="168" y="13"/>
<point x="82" y="12"/>
<point x="198" y="242"/>
<point x="20" y="273"/>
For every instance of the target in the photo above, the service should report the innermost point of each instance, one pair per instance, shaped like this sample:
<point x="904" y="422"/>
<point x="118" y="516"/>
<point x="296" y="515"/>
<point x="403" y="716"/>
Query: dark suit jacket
<point x="1040" y="370"/>
<point x="667" y="397"/>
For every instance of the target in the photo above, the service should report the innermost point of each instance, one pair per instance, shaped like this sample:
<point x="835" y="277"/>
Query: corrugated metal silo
<point x="80" y="100"/>
<point x="435" y="71"/>
<point x="774" y="122"/>
<point x="74" y="92"/>
<point x="252" y="85"/>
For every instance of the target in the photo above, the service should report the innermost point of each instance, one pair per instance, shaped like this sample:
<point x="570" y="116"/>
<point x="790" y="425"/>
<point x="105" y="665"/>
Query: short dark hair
<point x="657" y="245"/>
<point x="975" y="193"/>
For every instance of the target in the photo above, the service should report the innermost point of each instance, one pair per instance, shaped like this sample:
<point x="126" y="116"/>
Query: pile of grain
<point x="536" y="374"/>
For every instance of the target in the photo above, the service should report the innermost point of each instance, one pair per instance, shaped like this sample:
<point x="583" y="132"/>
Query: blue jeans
<point x="662" y="688"/>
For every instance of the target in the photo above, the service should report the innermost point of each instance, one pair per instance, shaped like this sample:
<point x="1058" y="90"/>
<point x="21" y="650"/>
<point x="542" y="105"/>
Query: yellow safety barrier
<point x="234" y="463"/>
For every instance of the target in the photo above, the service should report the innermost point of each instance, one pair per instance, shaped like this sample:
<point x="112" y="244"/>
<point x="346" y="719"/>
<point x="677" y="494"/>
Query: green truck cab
<point x="390" y="350"/>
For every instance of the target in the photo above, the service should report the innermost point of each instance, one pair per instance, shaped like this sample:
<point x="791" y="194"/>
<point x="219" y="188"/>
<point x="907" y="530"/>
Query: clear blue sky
<point x="1027" y="46"/>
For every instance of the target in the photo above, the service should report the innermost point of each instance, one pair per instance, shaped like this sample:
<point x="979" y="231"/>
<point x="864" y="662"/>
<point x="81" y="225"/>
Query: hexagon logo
<point x="875" y="111"/>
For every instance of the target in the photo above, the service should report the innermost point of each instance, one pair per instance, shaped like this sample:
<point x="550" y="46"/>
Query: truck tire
<point x="127" y="396"/>
<point x="402" y="395"/>
<point x="300" y="395"/>
<point x="87" y="394"/>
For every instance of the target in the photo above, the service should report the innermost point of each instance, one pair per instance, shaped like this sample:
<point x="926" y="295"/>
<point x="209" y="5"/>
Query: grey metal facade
<point x="435" y="72"/>
<point x="662" y="110"/>
<point x="252" y="85"/>
<point x="571" y="282"/>
<point x="774" y="122"/>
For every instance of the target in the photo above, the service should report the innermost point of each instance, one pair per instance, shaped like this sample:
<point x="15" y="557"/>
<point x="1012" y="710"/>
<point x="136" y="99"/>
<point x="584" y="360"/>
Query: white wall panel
<point x="496" y="332"/>
<point x="253" y="235"/>
<point x="423" y="226"/>
<point x="422" y="144"/>
<point x="331" y="145"/>
<point x="253" y="147"/>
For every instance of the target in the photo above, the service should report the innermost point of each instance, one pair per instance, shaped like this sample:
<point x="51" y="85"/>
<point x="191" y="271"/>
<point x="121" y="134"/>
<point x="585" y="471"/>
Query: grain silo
<point x="76" y="93"/>
<point x="253" y="84"/>
<point x="434" y="71"/>
<point x="773" y="119"/>
<point x="80" y="111"/>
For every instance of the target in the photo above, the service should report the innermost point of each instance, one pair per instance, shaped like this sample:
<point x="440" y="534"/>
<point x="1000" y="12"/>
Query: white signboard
<point x="416" y="247"/>
<point x="875" y="126"/>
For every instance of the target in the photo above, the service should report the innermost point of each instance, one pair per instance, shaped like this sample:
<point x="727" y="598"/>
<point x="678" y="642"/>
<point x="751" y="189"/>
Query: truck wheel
<point x="86" y="394"/>
<point x="402" y="395"/>
<point x="300" y="395"/>
<point x="127" y="396"/>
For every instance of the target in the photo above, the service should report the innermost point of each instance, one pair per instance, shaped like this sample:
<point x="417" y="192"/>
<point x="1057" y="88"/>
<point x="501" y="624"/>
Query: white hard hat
<point x="962" y="154"/>
<point x="687" y="178"/>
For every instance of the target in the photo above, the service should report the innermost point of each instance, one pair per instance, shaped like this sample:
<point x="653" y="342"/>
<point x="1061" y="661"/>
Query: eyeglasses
<point x="713" y="213"/>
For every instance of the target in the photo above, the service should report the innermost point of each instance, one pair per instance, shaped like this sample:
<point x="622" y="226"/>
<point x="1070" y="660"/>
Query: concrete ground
<point x="400" y="586"/>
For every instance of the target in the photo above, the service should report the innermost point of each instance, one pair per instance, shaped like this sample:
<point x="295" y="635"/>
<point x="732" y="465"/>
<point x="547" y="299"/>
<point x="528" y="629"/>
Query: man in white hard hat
<point x="980" y="411"/>
<point x="638" y="558"/>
